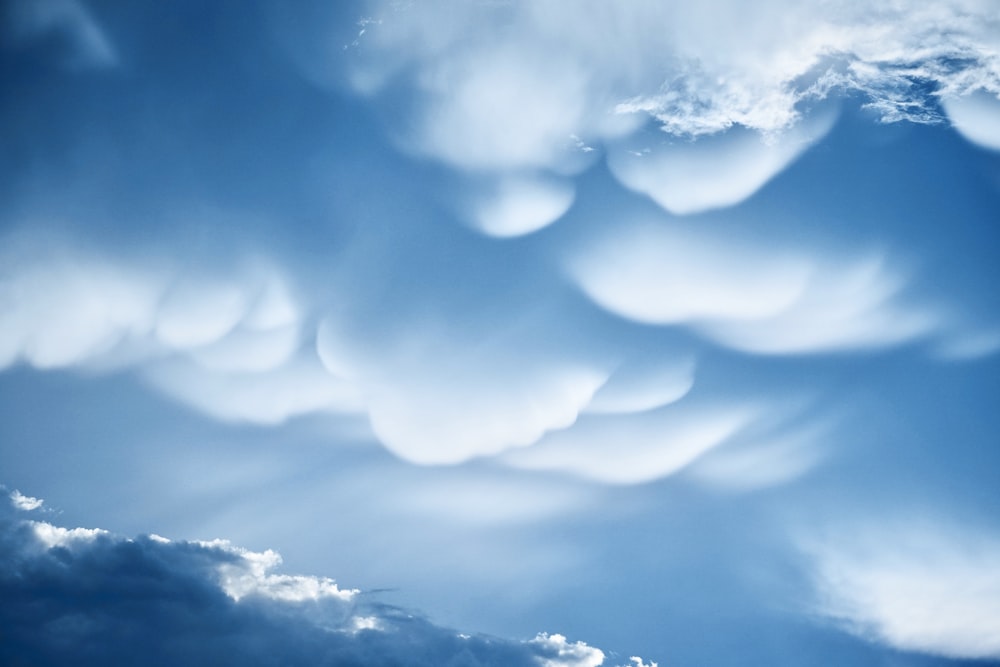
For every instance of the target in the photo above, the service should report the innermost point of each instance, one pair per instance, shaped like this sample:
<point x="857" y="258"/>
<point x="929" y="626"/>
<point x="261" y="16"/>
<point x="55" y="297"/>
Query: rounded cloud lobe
<point x="521" y="205"/>
<point x="517" y="112"/>
<point x="501" y="87"/>
<point x="977" y="117"/>
<point x="242" y="348"/>
<point x="749" y="297"/>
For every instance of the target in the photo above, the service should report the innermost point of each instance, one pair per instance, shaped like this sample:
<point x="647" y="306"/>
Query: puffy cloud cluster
<point x="914" y="586"/>
<point x="86" y="597"/>
<point x="526" y="87"/>
<point x="227" y="345"/>
<point x="241" y="347"/>
<point x="519" y="98"/>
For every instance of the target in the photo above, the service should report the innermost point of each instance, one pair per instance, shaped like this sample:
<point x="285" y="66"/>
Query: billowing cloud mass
<point x="86" y="597"/>
<point x="529" y="94"/>
<point x="914" y="586"/>
<point x="696" y="108"/>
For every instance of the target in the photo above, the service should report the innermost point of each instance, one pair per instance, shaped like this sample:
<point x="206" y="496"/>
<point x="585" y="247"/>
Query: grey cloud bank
<point x="86" y="597"/>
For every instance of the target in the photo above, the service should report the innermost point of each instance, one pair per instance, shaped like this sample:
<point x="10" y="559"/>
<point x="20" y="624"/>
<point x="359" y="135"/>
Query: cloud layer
<point x="502" y="87"/>
<point x="458" y="346"/>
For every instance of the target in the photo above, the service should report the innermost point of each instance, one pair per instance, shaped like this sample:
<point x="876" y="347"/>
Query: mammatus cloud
<point x="520" y="205"/>
<point x="751" y="298"/>
<point x="241" y="347"/>
<point x="227" y="346"/>
<point x="86" y="597"/>
<point x="444" y="399"/>
<point x="527" y="96"/>
<point x="637" y="387"/>
<point x="915" y="587"/>
<point x="632" y="449"/>
<point x="689" y="177"/>
<point x="976" y="116"/>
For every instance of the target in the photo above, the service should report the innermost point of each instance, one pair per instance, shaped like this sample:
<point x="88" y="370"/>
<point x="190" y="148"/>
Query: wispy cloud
<point x="915" y="586"/>
<point x="632" y="449"/>
<point x="83" y="42"/>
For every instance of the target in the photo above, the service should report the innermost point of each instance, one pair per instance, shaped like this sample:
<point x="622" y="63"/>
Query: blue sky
<point x="554" y="333"/>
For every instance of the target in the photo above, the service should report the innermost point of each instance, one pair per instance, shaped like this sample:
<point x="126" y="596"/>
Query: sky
<point x="499" y="332"/>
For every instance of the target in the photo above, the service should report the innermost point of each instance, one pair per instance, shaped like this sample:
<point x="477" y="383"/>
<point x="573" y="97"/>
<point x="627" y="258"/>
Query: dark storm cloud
<point x="85" y="597"/>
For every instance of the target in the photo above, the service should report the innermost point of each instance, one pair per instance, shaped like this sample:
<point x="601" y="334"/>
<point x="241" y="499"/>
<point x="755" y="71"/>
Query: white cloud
<point x="227" y="347"/>
<point x="61" y="308"/>
<point x="503" y="108"/>
<point x="638" y="662"/>
<point x="913" y="587"/>
<point x="56" y="536"/>
<point x="751" y="298"/>
<point x="637" y="387"/>
<point x="522" y="205"/>
<point x="976" y="116"/>
<point x="659" y="276"/>
<point x="633" y="449"/>
<point x="61" y="311"/>
<point x="845" y="306"/>
<point x="564" y="653"/>
<point x="250" y="574"/>
<point x="510" y="97"/>
<point x="716" y="172"/>
<point x="762" y="462"/>
<point x="23" y="502"/>
<point x="198" y="312"/>
<point x="439" y="399"/>
<point x="451" y="415"/>
<point x="249" y="350"/>
<point x="298" y="387"/>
